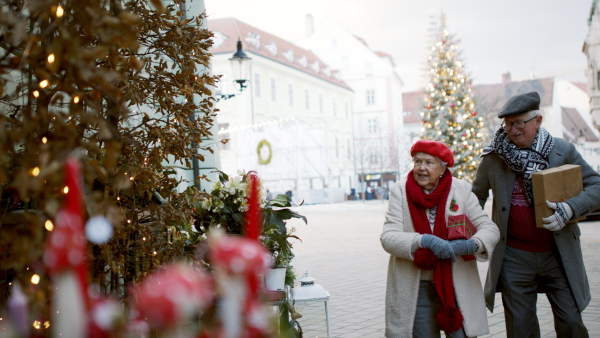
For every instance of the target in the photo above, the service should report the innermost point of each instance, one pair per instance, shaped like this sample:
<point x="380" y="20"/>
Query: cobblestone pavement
<point x="340" y="248"/>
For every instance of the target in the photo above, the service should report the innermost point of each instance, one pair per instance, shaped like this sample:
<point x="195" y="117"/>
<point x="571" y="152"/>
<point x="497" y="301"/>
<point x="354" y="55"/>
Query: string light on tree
<point x="448" y="113"/>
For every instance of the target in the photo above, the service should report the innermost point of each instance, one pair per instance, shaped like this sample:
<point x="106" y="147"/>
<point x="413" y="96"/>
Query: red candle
<point x="253" y="216"/>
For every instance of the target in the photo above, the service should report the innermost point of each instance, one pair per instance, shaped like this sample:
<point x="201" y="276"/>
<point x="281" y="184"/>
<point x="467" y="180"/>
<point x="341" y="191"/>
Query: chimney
<point x="309" y="25"/>
<point x="506" y="78"/>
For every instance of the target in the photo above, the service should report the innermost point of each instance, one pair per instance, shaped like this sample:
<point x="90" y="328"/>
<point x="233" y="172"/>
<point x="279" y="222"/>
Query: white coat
<point x="404" y="277"/>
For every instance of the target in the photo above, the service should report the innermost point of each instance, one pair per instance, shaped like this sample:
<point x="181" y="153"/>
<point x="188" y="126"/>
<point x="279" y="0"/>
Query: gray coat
<point x="494" y="174"/>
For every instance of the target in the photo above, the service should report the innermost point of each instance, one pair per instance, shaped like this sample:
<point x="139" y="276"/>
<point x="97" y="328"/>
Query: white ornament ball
<point x="98" y="230"/>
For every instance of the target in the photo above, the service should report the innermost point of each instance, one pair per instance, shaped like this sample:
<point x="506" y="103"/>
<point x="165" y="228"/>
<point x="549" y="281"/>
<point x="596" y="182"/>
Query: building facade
<point x="377" y="106"/>
<point x="591" y="49"/>
<point x="292" y="124"/>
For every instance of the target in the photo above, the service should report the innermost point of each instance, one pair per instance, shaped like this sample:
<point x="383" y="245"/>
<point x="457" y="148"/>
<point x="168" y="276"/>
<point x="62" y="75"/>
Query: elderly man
<point x="528" y="259"/>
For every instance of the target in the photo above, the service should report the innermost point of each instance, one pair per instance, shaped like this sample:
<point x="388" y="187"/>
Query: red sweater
<point x="522" y="232"/>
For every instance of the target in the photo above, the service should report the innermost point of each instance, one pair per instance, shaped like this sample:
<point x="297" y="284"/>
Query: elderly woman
<point x="430" y="287"/>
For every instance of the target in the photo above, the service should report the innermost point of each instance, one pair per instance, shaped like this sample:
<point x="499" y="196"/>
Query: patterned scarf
<point x="523" y="160"/>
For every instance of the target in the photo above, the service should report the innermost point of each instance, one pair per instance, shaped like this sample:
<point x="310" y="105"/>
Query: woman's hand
<point x="463" y="246"/>
<point x="440" y="248"/>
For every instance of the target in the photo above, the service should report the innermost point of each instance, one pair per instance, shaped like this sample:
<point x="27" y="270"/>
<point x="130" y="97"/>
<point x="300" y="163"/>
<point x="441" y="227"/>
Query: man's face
<point x="523" y="136"/>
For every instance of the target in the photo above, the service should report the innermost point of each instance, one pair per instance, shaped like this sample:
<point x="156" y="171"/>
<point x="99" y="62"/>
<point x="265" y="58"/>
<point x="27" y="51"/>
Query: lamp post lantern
<point x="240" y="64"/>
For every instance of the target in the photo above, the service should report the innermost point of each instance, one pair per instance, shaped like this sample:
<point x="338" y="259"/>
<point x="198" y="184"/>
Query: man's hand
<point x="463" y="246"/>
<point x="560" y="218"/>
<point x="440" y="248"/>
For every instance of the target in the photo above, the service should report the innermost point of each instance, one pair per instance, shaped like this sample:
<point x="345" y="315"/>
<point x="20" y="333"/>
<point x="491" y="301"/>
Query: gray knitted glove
<point x="463" y="246"/>
<point x="440" y="248"/>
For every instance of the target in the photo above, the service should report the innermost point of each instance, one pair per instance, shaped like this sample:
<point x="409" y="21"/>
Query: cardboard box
<point x="556" y="184"/>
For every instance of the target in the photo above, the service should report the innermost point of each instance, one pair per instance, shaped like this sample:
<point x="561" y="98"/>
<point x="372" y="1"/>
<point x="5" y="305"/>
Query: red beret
<point x="434" y="148"/>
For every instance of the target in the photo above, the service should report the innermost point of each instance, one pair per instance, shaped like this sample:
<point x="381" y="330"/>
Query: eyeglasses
<point x="518" y="124"/>
<point x="427" y="163"/>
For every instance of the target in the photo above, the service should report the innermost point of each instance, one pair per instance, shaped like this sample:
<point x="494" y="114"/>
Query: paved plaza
<point x="340" y="248"/>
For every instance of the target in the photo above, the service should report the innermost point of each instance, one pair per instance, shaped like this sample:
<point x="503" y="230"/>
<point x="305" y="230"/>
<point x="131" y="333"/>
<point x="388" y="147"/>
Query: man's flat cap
<point x="520" y="104"/>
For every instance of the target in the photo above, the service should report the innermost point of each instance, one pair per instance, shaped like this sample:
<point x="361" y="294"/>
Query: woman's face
<point x="427" y="170"/>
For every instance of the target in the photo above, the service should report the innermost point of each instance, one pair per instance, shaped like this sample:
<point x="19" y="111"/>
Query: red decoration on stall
<point x="66" y="245"/>
<point x="168" y="297"/>
<point x="253" y="219"/>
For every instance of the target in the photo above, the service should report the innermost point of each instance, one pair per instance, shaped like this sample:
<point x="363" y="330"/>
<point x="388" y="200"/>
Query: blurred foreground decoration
<point x="180" y="299"/>
<point x="65" y="258"/>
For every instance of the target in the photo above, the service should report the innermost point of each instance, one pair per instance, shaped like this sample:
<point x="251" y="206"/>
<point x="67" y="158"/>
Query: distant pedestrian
<point x="289" y="195"/>
<point x="430" y="287"/>
<point x="269" y="195"/>
<point x="528" y="258"/>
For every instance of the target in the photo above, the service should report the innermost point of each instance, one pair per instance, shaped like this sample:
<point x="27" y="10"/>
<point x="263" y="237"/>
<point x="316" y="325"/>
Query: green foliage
<point x="224" y="206"/>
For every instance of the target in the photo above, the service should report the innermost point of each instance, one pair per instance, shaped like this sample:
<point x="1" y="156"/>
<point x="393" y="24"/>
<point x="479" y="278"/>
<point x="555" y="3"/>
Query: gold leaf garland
<point x="261" y="144"/>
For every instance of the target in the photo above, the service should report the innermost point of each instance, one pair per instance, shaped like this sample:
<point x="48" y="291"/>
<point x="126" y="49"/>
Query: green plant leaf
<point x="281" y="201"/>
<point x="288" y="214"/>
<point x="276" y="220"/>
<point x="223" y="177"/>
<point x="238" y="217"/>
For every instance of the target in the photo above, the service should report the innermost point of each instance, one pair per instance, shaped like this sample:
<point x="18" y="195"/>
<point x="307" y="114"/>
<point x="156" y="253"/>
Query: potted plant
<point x="276" y="235"/>
<point x="224" y="208"/>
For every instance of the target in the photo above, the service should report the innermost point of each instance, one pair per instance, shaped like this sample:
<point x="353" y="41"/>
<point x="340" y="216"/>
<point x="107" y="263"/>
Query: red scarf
<point x="418" y="201"/>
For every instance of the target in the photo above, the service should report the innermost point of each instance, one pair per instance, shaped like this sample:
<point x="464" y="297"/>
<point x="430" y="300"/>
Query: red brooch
<point x="453" y="205"/>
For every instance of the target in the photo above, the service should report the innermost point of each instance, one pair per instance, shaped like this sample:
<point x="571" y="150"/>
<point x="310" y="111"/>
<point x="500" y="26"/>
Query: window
<point x="369" y="69"/>
<point x="370" y="96"/>
<point x="349" y="151"/>
<point x="321" y="103"/>
<point x="306" y="99"/>
<point x="345" y="63"/>
<point x="346" y="109"/>
<point x="333" y="107"/>
<point x="257" y="85"/>
<point x="273" y="90"/>
<point x="337" y="147"/>
<point x="291" y="94"/>
<point x="372" y="125"/>
<point x="598" y="80"/>
<point x="373" y="158"/>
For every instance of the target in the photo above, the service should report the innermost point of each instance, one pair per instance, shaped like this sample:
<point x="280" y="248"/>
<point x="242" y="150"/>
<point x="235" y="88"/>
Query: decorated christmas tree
<point x="448" y="113"/>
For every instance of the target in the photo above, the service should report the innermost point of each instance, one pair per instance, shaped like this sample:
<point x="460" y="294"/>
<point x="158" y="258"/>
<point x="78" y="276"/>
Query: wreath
<point x="261" y="160"/>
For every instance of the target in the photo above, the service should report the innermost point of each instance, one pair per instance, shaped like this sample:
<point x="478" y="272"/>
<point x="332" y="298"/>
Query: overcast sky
<point x="523" y="37"/>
